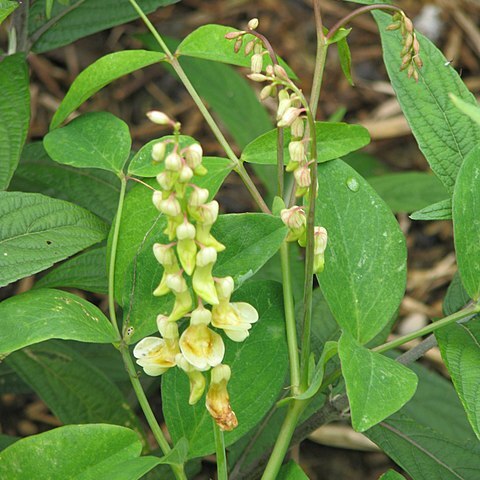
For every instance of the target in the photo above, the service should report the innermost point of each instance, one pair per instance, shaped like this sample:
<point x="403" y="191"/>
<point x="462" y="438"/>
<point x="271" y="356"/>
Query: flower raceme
<point x="188" y="262"/>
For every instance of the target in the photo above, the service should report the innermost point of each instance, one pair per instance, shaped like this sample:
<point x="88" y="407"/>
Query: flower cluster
<point x="191" y="255"/>
<point x="410" y="53"/>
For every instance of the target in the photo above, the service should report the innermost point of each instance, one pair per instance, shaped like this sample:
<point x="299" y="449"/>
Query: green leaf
<point x="93" y="189"/>
<point x="178" y="454"/>
<point x="339" y="35"/>
<point x="291" y="471"/>
<point x="345" y="59"/>
<point x="6" y="440"/>
<point x="99" y="74"/>
<point x="438" y="211"/>
<point x="365" y="261"/>
<point x="14" y="113"/>
<point x="81" y="19"/>
<point x="365" y="164"/>
<point x="37" y="231"/>
<point x="460" y="348"/>
<point x="87" y="271"/>
<point x="456" y="297"/>
<point x="6" y="8"/>
<point x="262" y="357"/>
<point x="142" y="164"/>
<point x="467" y="108"/>
<point x="40" y="315"/>
<point x="93" y="140"/>
<point x="80" y="452"/>
<point x="377" y="386"/>
<point x="10" y="382"/>
<point x="466" y="223"/>
<point x="392" y="475"/>
<point x="444" y="134"/>
<point x="333" y="141"/>
<point x="199" y="43"/>
<point x="407" y="192"/>
<point x="73" y="388"/>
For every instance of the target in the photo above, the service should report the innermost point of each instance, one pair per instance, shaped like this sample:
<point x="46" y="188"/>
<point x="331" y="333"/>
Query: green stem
<point x="291" y="327"/>
<point x="320" y="59"/>
<point x="237" y="164"/>
<point x="280" y="449"/>
<point x="472" y="310"/>
<point x="222" y="472"/>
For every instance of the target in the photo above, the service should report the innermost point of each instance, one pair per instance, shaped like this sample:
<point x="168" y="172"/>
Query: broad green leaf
<point x="87" y="271"/>
<point x="392" y="475"/>
<point x="345" y="59"/>
<point x="10" y="382"/>
<point x="407" y="192"/>
<point x="444" y="134"/>
<point x="14" y="113"/>
<point x="6" y="8"/>
<point x="99" y="74"/>
<point x="456" y="297"/>
<point x="178" y="454"/>
<point x="467" y="108"/>
<point x="80" y="452"/>
<point x="365" y="164"/>
<point x="291" y="471"/>
<point x="333" y="141"/>
<point x="37" y="231"/>
<point x="377" y="386"/>
<point x="261" y="357"/>
<point x="93" y="189"/>
<point x="438" y="211"/>
<point x="365" y="261"/>
<point x="466" y="223"/>
<point x="81" y="19"/>
<point x="40" y="315"/>
<point x="6" y="440"/>
<point x="93" y="140"/>
<point x="460" y="348"/>
<point x="73" y="388"/>
<point x="142" y="164"/>
<point x="199" y="43"/>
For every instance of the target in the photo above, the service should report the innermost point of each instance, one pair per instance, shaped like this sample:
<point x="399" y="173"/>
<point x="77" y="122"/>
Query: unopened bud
<point x="269" y="70"/>
<point x="293" y="217"/>
<point x="320" y="238"/>
<point x="257" y="77"/>
<point x="193" y="155"/>
<point x="393" y="26"/>
<point x="408" y="42"/>
<point x="283" y="106"/>
<point x="256" y="63"/>
<point x="206" y="256"/>
<point x="298" y="128"/>
<point x="186" y="174"/>
<point x="258" y="47"/>
<point x="201" y="316"/>
<point x="166" y="180"/>
<point x="225" y="287"/>
<point x="158" y="151"/>
<point x="296" y="150"/>
<point x="290" y="115"/>
<point x="176" y="283"/>
<point x="302" y="176"/>
<point x="416" y="45"/>
<point x="249" y="47"/>
<point x="173" y="162"/>
<point x="169" y="206"/>
<point x="164" y="254"/>
<point x="418" y="61"/>
<point x="408" y="24"/>
<point x="280" y="72"/>
<point x="198" y="197"/>
<point x="253" y="24"/>
<point x="233" y="35"/>
<point x="185" y="230"/>
<point x="159" y="118"/>
<point x="266" y="92"/>
<point x="238" y="44"/>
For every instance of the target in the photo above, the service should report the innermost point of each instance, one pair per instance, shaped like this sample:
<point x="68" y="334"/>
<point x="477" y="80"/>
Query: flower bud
<point x="196" y="378"/>
<point x="283" y="106"/>
<point x="186" y="230"/>
<point x="269" y="70"/>
<point x="302" y="176"/>
<point x="170" y="206"/>
<point x="257" y="77"/>
<point x="233" y="35"/>
<point x="158" y="151"/>
<point x="280" y="72"/>
<point x="298" y="128"/>
<point x="198" y="197"/>
<point x="164" y="254"/>
<point x="249" y="47"/>
<point x="225" y="287"/>
<point x="290" y="115"/>
<point x="297" y="150"/>
<point x="293" y="217"/>
<point x="202" y="281"/>
<point x="256" y="63"/>
<point x="253" y="24"/>
<point x="320" y="240"/>
<point x="186" y="174"/>
<point x="182" y="305"/>
<point x="193" y="155"/>
<point x="159" y="118"/>
<point x="408" y="24"/>
<point x="167" y="180"/>
<point x="168" y="330"/>
<point x="206" y="256"/>
<point x="173" y="162"/>
<point x="266" y="92"/>
<point x="238" y="44"/>
<point x="176" y="283"/>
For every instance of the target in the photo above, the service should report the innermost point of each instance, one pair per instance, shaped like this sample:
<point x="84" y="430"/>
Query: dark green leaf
<point x="456" y="297"/>
<point x="93" y="140"/>
<point x="14" y="113"/>
<point x="291" y="471"/>
<point x="6" y="8"/>
<point x="81" y="19"/>
<point x="6" y="440"/>
<point x="377" y="386"/>
<point x="40" y="315"/>
<point x="10" y="382"/>
<point x="199" y="43"/>
<point x="99" y="74"/>
<point x="86" y="452"/>
<point x="466" y="223"/>
<point x="365" y="261"/>
<point x="365" y="164"/>
<point x="333" y="141"/>
<point x="73" y="388"/>
<point x="407" y="192"/>
<point x="178" y="454"/>
<point x="438" y="211"/>
<point x="444" y="134"/>
<point x="262" y="356"/>
<point x="93" y="189"/>
<point x="392" y="475"/>
<point x="37" y="231"/>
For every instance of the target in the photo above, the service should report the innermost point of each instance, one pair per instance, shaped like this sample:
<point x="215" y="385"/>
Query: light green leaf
<point x="73" y="388"/>
<point x="444" y="134"/>
<point x="199" y="43"/>
<point x="460" y="348"/>
<point x="410" y="191"/>
<point x="142" y="164"/>
<point x="99" y="74"/>
<point x="291" y="471"/>
<point x="178" y="454"/>
<point x="467" y="108"/>
<point x="438" y="211"/>
<point x="377" y="386"/>
<point x="345" y="59"/>
<point x="466" y="223"/>
<point x="14" y="113"/>
<point x="80" y="452"/>
<point x="93" y="140"/>
<point x="333" y="141"/>
<point x="6" y="8"/>
<point x="262" y="356"/>
<point x="81" y="19"/>
<point x="40" y="315"/>
<point x="87" y="271"/>
<point x="365" y="261"/>
<point x="93" y="189"/>
<point x="339" y="35"/>
<point x="37" y="231"/>
<point x="392" y="475"/>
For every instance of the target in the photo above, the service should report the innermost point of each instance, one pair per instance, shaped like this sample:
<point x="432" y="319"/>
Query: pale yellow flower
<point x="196" y="378"/>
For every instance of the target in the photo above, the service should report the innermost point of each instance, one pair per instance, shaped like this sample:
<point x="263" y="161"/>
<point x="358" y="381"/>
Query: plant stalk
<point x="222" y="472"/>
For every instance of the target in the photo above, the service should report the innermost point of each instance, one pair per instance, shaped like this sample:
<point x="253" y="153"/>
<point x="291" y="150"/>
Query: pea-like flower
<point x="202" y="279"/>
<point x="195" y="376"/>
